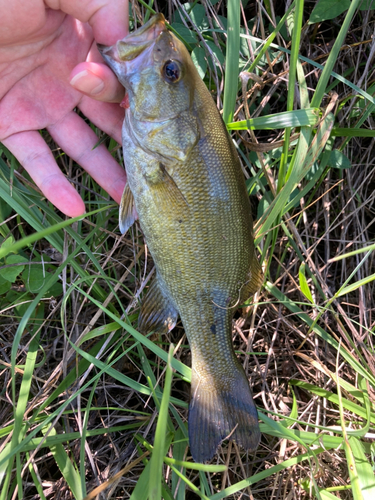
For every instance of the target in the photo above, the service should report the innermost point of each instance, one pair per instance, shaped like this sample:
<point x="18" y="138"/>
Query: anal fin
<point x="127" y="214"/>
<point x="157" y="314"/>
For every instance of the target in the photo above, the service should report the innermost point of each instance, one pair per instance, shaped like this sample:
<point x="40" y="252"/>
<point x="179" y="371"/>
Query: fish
<point x="186" y="187"/>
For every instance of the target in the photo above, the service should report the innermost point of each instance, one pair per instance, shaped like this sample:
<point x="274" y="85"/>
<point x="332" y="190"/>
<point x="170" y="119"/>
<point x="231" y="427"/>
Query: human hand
<point x="44" y="45"/>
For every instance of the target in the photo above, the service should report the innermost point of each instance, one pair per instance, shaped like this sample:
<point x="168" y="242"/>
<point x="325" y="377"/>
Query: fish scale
<point x="186" y="185"/>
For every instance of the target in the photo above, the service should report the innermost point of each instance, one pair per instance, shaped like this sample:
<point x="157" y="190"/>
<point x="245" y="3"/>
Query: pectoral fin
<point x="128" y="214"/>
<point x="165" y="189"/>
<point x="157" y="314"/>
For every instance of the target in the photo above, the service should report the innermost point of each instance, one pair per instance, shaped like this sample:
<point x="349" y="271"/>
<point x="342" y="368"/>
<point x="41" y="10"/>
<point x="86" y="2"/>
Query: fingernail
<point x="87" y="82"/>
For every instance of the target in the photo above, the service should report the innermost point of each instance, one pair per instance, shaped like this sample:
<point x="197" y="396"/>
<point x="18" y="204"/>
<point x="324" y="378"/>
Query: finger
<point x="106" y="116"/>
<point x="35" y="156"/>
<point x="97" y="81"/>
<point x="109" y="19"/>
<point x="77" y="139"/>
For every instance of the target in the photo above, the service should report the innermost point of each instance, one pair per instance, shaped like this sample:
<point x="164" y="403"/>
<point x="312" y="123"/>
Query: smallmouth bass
<point x="186" y="186"/>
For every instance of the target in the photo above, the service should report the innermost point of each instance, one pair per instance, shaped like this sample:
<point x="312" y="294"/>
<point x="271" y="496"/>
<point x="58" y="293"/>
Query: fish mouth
<point x="135" y="43"/>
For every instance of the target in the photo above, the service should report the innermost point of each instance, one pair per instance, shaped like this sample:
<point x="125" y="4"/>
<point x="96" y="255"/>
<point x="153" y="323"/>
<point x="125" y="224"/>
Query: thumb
<point x="97" y="81"/>
<point x="109" y="19"/>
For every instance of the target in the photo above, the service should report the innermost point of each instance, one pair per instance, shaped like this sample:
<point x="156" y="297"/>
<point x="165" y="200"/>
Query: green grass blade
<point x="20" y="407"/>
<point x="332" y="58"/>
<point x="37" y="484"/>
<point x="340" y="78"/>
<point x="191" y="485"/>
<point x="66" y="467"/>
<point x="303" y="283"/>
<point x="140" y="491"/>
<point x="4" y="457"/>
<point x="156" y="461"/>
<point x="309" y="438"/>
<point x="177" y="365"/>
<point x="296" y="39"/>
<point x="365" y="473"/>
<point x="51" y="441"/>
<point x="326" y="495"/>
<point x="196" y="466"/>
<point x="352" y="132"/>
<point x="179" y="448"/>
<point x="355" y="286"/>
<point x="265" y="45"/>
<point x="235" y="488"/>
<point x="351" y="462"/>
<point x="284" y="119"/>
<point x="152" y="383"/>
<point x="330" y="396"/>
<point x="287" y="433"/>
<point x="319" y="331"/>
<point x="231" y="60"/>
<point x="354" y="252"/>
<point x="305" y="156"/>
<point x="83" y="364"/>
<point x="43" y="233"/>
<point x="122" y="378"/>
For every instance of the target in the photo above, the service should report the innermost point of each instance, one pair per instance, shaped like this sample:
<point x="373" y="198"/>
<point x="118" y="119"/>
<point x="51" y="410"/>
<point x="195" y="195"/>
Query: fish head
<point x="156" y="70"/>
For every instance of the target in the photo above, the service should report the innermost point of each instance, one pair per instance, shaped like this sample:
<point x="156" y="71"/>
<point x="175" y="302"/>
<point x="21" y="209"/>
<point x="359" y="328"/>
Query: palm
<point x="43" y="96"/>
<point x="35" y="93"/>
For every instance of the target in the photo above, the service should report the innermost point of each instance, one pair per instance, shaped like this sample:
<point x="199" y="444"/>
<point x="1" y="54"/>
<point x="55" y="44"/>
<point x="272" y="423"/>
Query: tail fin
<point x="219" y="409"/>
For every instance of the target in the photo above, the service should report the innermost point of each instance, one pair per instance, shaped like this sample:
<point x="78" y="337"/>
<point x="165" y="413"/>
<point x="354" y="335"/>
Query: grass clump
<point x="89" y="407"/>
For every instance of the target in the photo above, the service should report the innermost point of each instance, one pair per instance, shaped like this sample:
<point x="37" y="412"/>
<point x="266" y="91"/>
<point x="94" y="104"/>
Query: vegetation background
<point x="84" y="398"/>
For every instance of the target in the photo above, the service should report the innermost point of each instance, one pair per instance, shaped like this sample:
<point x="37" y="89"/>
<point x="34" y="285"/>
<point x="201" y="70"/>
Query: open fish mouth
<point x="145" y="62"/>
<point x="136" y="42"/>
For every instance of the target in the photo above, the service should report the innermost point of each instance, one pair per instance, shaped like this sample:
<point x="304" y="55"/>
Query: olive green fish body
<point x="186" y="184"/>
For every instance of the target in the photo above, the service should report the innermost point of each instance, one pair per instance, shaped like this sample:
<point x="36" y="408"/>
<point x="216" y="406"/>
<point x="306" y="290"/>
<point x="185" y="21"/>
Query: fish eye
<point x="172" y="71"/>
